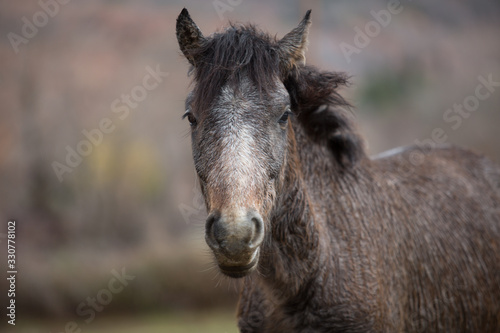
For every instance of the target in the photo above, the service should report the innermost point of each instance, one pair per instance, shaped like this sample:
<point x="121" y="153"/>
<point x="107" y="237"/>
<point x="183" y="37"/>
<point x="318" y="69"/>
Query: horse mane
<point x="324" y="114"/>
<point x="226" y="56"/>
<point x="239" y="50"/>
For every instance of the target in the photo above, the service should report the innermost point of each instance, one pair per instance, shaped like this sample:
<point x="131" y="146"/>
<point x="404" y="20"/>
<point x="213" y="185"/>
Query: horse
<point x="323" y="237"/>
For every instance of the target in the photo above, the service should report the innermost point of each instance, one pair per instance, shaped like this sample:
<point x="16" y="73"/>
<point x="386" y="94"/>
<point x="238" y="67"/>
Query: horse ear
<point x="292" y="46"/>
<point x="189" y="35"/>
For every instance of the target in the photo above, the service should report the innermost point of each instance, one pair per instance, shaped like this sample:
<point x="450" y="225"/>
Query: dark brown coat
<point x="405" y="243"/>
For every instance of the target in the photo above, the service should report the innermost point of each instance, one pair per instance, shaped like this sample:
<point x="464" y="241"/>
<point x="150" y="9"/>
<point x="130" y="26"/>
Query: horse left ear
<point x="292" y="46"/>
<point x="189" y="35"/>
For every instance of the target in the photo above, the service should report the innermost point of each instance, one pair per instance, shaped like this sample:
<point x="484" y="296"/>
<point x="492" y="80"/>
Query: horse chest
<point x="310" y="312"/>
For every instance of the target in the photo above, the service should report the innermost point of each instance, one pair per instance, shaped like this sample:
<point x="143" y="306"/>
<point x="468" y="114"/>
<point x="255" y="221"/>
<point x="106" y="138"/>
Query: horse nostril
<point x="214" y="233"/>
<point x="257" y="231"/>
<point x="234" y="236"/>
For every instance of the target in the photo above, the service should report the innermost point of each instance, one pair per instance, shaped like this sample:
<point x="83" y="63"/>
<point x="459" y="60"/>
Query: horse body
<point x="383" y="250"/>
<point x="325" y="238"/>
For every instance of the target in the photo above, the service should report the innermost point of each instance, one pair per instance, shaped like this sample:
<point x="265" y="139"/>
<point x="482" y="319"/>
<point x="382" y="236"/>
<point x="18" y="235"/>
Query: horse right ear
<point x="189" y="36"/>
<point x="292" y="47"/>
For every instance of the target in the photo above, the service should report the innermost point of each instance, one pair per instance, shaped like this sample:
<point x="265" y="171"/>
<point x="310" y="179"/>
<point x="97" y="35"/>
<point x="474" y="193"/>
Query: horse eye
<point x="190" y="117"/>
<point x="284" y="117"/>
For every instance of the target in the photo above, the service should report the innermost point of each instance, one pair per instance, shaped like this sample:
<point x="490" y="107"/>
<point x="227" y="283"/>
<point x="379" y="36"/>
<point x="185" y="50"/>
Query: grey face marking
<point x="239" y="148"/>
<point x="239" y="165"/>
<point x="239" y="145"/>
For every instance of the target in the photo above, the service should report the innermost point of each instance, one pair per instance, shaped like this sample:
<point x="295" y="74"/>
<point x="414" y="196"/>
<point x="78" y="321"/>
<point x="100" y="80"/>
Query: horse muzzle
<point x="235" y="238"/>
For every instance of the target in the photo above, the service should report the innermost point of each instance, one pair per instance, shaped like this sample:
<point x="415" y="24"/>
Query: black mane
<point x="225" y="57"/>
<point x="324" y="113"/>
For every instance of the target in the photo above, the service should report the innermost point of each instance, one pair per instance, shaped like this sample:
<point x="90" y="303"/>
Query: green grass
<point x="205" y="322"/>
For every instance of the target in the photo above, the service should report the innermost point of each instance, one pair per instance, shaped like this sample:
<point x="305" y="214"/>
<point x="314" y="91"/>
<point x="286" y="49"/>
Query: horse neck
<point x="294" y="252"/>
<point x="290" y="252"/>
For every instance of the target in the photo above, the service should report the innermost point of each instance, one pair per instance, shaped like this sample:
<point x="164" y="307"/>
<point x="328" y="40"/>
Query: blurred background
<point x="95" y="162"/>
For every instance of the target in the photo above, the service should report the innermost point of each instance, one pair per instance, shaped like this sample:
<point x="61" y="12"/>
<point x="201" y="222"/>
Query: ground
<point x="212" y="322"/>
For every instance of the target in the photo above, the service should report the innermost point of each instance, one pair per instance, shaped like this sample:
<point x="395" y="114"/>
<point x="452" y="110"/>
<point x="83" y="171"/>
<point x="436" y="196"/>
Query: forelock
<point x="227" y="57"/>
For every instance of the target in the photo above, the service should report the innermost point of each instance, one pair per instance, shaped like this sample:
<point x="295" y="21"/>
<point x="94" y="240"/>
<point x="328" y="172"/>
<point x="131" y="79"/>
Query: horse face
<point x="239" y="114"/>
<point x="239" y="149"/>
